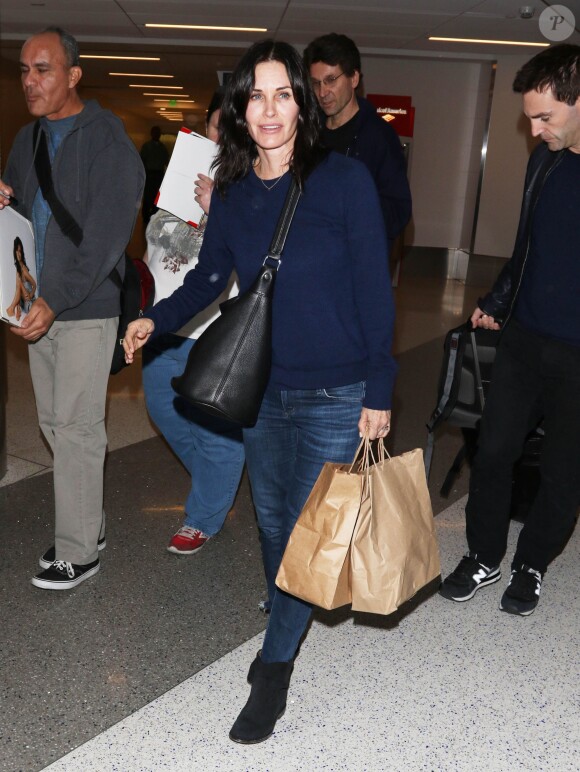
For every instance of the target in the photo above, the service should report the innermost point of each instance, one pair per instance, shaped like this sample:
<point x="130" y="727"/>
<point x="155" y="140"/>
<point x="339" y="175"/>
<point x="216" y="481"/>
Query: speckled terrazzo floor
<point x="143" y="667"/>
<point x="451" y="687"/>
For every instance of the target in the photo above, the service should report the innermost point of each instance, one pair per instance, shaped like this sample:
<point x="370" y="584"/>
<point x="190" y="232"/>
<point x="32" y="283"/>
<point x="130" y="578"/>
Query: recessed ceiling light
<point x="167" y="96"/>
<point x="177" y="101"/>
<point x="152" y="85"/>
<point x="202" y="26"/>
<point x="491" y="42"/>
<point x="125" y="58"/>
<point x="140" y="75"/>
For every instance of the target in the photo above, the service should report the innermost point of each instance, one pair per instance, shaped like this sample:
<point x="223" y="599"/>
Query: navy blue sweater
<point x="548" y="298"/>
<point x="333" y="310"/>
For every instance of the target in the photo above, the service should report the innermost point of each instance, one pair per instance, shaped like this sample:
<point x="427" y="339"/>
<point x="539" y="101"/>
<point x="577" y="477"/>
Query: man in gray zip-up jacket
<point x="72" y="326"/>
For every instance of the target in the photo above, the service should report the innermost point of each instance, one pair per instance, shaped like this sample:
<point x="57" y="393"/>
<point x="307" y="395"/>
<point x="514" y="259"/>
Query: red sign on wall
<point x="396" y="110"/>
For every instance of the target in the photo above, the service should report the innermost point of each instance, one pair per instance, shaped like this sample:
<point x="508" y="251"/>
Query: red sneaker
<point x="187" y="541"/>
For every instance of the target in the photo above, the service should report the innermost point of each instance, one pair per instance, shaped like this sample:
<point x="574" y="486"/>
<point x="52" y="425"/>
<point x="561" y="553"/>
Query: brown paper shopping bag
<point x="394" y="551"/>
<point x="315" y="566"/>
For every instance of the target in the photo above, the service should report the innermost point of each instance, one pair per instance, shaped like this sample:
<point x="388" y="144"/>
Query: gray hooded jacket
<point x="98" y="176"/>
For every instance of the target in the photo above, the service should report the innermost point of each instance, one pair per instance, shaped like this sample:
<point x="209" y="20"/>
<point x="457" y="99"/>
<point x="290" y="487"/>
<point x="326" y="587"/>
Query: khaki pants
<point x="70" y="371"/>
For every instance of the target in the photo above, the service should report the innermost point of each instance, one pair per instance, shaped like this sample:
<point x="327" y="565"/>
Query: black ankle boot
<point x="266" y="704"/>
<point x="252" y="669"/>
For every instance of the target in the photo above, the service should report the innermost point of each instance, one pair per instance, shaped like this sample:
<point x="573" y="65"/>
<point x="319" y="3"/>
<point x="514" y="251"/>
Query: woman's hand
<point x="375" y="423"/>
<point x="203" y="189"/>
<point x="137" y="335"/>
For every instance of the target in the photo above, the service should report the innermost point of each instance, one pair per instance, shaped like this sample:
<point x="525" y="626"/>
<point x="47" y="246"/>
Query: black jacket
<point x="377" y="145"/>
<point x="500" y="302"/>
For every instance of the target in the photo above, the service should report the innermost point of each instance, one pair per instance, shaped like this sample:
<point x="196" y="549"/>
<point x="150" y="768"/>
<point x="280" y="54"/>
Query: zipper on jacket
<point x="527" y="252"/>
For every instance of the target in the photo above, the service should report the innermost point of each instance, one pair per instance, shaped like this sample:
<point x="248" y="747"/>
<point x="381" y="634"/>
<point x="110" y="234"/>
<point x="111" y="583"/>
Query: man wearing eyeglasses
<point x="353" y="128"/>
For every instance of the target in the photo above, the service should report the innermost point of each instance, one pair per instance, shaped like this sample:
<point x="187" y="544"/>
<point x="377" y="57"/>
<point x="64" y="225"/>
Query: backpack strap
<point x="65" y="221"/>
<point x="449" y="377"/>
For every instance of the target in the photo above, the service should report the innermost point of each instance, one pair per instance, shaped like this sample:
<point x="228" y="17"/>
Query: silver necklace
<point x="273" y="185"/>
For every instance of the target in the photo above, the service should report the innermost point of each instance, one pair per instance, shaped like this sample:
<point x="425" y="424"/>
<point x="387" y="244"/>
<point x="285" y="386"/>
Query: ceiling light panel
<point x="124" y="58"/>
<point x="262" y="16"/>
<point x="139" y="75"/>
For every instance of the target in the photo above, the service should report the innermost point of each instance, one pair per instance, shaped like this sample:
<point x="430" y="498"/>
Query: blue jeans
<point x="211" y="450"/>
<point x="297" y="431"/>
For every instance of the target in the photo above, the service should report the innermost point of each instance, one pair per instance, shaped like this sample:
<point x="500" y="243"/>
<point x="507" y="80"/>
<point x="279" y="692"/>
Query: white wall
<point x="509" y="146"/>
<point x="450" y="99"/>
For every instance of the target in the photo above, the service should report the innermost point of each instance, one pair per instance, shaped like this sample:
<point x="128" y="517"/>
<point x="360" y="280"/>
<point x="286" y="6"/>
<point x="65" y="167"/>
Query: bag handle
<point x="283" y="226"/>
<point x="65" y="221"/>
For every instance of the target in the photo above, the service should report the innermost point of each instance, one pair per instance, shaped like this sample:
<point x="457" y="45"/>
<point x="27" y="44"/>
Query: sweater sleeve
<point x="393" y="185"/>
<point x="372" y="285"/>
<point x="379" y="148"/>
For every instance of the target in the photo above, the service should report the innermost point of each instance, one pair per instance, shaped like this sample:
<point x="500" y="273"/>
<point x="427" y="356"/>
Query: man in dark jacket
<point x="353" y="128"/>
<point x="98" y="177"/>
<point x="536" y="373"/>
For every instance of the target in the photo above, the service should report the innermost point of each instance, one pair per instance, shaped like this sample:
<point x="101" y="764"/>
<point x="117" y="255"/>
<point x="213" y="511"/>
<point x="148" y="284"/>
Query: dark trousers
<point x="533" y="377"/>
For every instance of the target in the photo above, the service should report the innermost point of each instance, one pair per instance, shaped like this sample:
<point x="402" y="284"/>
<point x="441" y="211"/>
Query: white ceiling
<point x="193" y="57"/>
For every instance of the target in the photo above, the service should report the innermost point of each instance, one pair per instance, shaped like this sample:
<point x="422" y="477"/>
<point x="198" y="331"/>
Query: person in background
<point x="211" y="450"/>
<point x="332" y="374"/>
<point x="536" y="373"/>
<point x="353" y="128"/>
<point x="72" y="325"/>
<point x="155" y="157"/>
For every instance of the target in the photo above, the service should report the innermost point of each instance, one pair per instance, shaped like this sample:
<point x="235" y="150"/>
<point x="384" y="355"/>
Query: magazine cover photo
<point x="18" y="283"/>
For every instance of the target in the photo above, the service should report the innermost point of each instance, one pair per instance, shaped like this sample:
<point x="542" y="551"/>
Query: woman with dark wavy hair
<point x="332" y="372"/>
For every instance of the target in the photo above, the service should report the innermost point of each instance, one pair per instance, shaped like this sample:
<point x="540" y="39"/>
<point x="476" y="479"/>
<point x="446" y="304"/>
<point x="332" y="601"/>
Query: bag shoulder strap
<point x="477" y="371"/>
<point x="455" y="344"/>
<point x="284" y="222"/>
<point x="65" y="221"/>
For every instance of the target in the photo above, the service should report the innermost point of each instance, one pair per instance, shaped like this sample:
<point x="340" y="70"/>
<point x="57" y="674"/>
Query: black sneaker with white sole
<point x="523" y="591"/>
<point x="64" y="576"/>
<point x="468" y="577"/>
<point x="50" y="555"/>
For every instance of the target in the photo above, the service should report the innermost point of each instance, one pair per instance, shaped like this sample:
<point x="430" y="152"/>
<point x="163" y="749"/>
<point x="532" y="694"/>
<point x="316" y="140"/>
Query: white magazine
<point x="18" y="283"/>
<point x="191" y="155"/>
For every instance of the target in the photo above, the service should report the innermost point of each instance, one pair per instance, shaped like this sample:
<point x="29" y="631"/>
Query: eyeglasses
<point x="329" y="81"/>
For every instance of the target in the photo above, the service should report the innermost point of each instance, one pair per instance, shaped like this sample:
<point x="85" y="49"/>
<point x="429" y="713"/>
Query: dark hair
<point x="69" y="44"/>
<point x="333" y="49"/>
<point x="237" y="149"/>
<point x="18" y="243"/>
<point x="215" y="103"/>
<point x="556" y="68"/>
